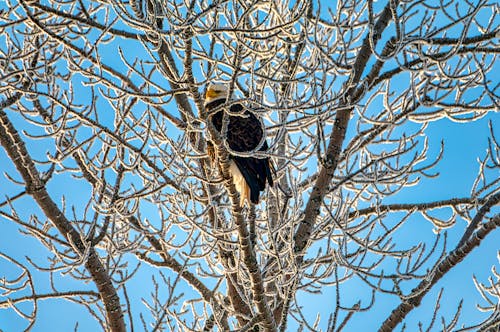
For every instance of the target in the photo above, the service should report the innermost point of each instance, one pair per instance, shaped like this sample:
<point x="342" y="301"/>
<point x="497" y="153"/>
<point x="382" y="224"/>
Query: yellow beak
<point x="211" y="93"/>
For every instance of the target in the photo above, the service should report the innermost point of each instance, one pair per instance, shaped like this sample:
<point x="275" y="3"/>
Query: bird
<point x="244" y="133"/>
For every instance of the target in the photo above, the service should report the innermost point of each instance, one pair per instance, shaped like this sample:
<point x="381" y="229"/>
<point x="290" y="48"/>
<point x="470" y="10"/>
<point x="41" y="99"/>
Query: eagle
<point x="244" y="134"/>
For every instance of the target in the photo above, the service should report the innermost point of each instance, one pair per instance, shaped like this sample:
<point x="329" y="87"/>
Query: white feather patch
<point x="239" y="182"/>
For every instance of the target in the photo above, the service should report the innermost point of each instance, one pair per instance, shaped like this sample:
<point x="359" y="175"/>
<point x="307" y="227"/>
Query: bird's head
<point x="215" y="91"/>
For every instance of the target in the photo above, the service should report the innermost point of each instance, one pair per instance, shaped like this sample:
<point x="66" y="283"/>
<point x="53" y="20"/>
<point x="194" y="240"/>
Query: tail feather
<point x="252" y="185"/>
<point x="246" y="196"/>
<point x="247" y="192"/>
<point x="255" y="172"/>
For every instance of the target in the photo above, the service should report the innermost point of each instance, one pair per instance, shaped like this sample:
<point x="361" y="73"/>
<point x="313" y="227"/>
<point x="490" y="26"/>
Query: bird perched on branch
<point x="244" y="134"/>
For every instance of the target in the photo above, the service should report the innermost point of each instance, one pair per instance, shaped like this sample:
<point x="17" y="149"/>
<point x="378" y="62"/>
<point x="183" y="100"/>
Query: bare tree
<point x="105" y="154"/>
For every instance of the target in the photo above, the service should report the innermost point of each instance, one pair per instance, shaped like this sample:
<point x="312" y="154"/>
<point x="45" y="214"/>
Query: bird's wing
<point x="244" y="134"/>
<point x="245" y="130"/>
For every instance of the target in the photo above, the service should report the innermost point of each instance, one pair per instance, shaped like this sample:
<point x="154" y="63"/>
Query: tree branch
<point x="415" y="206"/>
<point x="451" y="260"/>
<point x="337" y="136"/>
<point x="488" y="204"/>
<point x="17" y="152"/>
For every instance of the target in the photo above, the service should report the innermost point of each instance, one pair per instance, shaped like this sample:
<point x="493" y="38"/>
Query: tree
<point x="105" y="136"/>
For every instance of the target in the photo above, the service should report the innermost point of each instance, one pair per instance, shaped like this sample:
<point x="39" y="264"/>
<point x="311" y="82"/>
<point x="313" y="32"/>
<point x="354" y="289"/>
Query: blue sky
<point x="464" y="144"/>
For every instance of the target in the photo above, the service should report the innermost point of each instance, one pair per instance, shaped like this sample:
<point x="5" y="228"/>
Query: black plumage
<point x="244" y="133"/>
